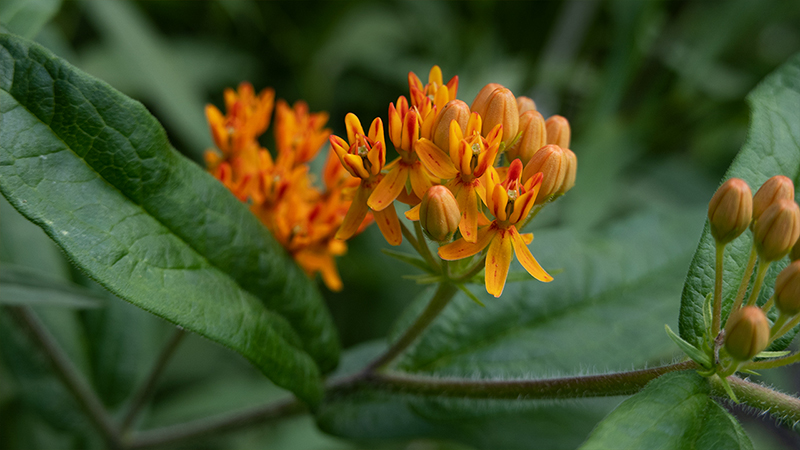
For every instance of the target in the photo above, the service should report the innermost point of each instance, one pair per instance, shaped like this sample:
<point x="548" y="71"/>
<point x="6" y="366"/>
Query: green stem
<point x="748" y="272"/>
<point x="444" y="293"/>
<point x="783" y="407"/>
<point x="69" y="375"/>
<point x="720" y="260"/>
<point x="172" y="435"/>
<point x="773" y="363"/>
<point x="788" y="327"/>
<point x="767" y="306"/>
<point x="423" y="244"/>
<point x="760" y="274"/>
<point x="623" y="383"/>
<point x="146" y="390"/>
<point x="472" y="271"/>
<point x="777" y="326"/>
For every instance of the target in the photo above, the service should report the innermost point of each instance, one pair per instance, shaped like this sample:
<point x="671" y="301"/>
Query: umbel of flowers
<point x="773" y="217"/>
<point x="479" y="173"/>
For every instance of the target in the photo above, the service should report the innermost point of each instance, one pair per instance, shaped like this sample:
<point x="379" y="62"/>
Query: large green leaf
<point x="604" y="312"/>
<point x="27" y="17"/>
<point x="94" y="169"/>
<point x="673" y="412"/>
<point x="772" y="148"/>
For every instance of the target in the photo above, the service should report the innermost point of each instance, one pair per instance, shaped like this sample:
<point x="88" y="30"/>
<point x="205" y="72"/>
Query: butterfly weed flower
<point x="363" y="156"/>
<point x="510" y="202"/>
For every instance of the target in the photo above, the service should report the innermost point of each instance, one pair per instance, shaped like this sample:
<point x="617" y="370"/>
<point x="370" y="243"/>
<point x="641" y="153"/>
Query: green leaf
<point x="772" y="148"/>
<point x="695" y="353"/>
<point x="673" y="412"/>
<point x="604" y="313"/>
<point x="23" y="286"/>
<point x="94" y="169"/>
<point x="27" y="17"/>
<point x="407" y="258"/>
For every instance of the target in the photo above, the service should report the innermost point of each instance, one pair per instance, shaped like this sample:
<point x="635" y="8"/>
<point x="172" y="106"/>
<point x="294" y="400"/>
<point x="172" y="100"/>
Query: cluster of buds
<point x="774" y="219"/>
<point x="280" y="190"/>
<point x="456" y="164"/>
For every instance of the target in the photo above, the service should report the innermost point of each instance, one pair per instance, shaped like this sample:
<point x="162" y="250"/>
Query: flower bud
<point x="479" y="104"/>
<point x="787" y="289"/>
<point x="534" y="137"/>
<point x="551" y="161"/>
<point x="439" y="214"/>
<point x="500" y="107"/>
<point x="747" y="333"/>
<point x="453" y="110"/>
<point x="730" y="210"/>
<point x="558" y="131"/>
<point x="776" y="188"/>
<point x="777" y="230"/>
<point x="525" y="104"/>
<point x="572" y="169"/>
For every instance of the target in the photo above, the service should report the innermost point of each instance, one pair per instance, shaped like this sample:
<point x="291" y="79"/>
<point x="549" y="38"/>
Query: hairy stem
<point x="444" y="293"/>
<point x="622" y="383"/>
<point x="720" y="260"/>
<point x="169" y="436"/>
<point x="782" y="407"/>
<point x="146" y="390"/>
<point x="69" y="375"/>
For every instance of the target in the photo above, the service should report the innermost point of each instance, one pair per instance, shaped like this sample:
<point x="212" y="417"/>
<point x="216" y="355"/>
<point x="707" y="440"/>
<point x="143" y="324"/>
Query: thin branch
<point x="169" y="436"/>
<point x="146" y="390"/>
<point x="444" y="293"/>
<point x="69" y="375"/>
<point x="622" y="383"/>
<point x="782" y="407"/>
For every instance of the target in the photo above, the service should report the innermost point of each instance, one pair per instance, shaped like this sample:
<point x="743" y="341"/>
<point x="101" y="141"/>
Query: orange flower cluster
<point x="303" y="217"/>
<point x="442" y="141"/>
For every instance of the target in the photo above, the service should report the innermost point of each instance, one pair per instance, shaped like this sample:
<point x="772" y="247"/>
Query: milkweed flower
<point x="510" y="202"/>
<point x="471" y="155"/>
<point x="363" y="156"/>
<point x="404" y="130"/>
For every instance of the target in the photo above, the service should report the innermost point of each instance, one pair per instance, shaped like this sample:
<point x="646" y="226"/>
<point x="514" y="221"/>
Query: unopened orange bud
<point x="500" y="108"/>
<point x="439" y="214"/>
<point x="776" y="188"/>
<point x="551" y="161"/>
<point x="747" y="333"/>
<point x="479" y="104"/>
<point x="558" y="131"/>
<point x="730" y="210"/>
<point x="572" y="170"/>
<point x="453" y="110"/>
<point x="534" y="137"/>
<point x="777" y="230"/>
<point x="525" y="104"/>
<point x="787" y="289"/>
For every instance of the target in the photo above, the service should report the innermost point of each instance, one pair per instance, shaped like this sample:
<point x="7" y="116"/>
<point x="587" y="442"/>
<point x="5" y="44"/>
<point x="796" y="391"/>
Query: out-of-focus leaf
<point x="605" y="312"/>
<point x="22" y="286"/>
<point x="95" y="171"/>
<point x="673" y="412"/>
<point x="23" y="244"/>
<point x="772" y="148"/>
<point x="27" y="17"/>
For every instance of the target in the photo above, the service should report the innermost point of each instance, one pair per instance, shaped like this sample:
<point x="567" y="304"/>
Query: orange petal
<point x="526" y="258"/>
<point x="498" y="259"/>
<point x="527" y="238"/>
<point x="377" y="158"/>
<point x="413" y="213"/>
<point x="355" y="166"/>
<point x="469" y="214"/>
<point x="414" y="81"/>
<point x="420" y="182"/>
<point x="435" y="76"/>
<point x="395" y="126"/>
<point x="353" y="126"/>
<point x="389" y="225"/>
<point x="389" y="188"/>
<point x="355" y="215"/>
<point x="455" y="138"/>
<point x="452" y="87"/>
<point x="435" y="159"/>
<point x="461" y="249"/>
<point x="474" y="124"/>
<point x="410" y="133"/>
<point x="376" y="131"/>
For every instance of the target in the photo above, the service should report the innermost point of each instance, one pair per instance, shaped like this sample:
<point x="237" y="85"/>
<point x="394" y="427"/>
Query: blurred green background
<point x="654" y="91"/>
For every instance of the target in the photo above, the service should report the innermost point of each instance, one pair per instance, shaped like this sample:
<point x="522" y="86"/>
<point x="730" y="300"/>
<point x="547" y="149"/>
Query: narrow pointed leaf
<point x="95" y="170"/>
